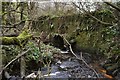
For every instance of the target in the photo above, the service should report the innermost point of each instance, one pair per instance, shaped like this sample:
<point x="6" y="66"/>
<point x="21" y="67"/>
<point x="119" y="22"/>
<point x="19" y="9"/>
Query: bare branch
<point x="105" y="23"/>
<point x="71" y="48"/>
<point x="14" y="25"/>
<point x="88" y="65"/>
<point x="12" y="11"/>
<point x="115" y="7"/>
<point x="16" y="58"/>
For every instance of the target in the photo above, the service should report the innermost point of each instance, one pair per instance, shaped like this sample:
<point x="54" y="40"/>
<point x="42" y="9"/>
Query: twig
<point x="80" y="58"/>
<point x="17" y="57"/>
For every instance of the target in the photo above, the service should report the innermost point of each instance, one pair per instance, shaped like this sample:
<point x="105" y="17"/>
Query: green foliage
<point x="37" y="52"/>
<point x="105" y="15"/>
<point x="91" y="35"/>
<point x="111" y="31"/>
<point x="9" y="53"/>
<point x="40" y="52"/>
<point x="105" y="12"/>
<point x="104" y="40"/>
<point x="34" y="52"/>
<point x="110" y="37"/>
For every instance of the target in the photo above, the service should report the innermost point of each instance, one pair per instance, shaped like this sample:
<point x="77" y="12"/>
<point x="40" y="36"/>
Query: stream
<point x="65" y="65"/>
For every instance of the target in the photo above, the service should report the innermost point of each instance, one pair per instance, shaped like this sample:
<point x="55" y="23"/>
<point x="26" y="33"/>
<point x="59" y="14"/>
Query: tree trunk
<point x="20" y="40"/>
<point x="22" y="66"/>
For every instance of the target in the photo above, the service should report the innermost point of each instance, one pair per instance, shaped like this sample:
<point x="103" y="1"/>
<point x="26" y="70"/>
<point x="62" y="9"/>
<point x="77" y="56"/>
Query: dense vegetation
<point x="96" y="32"/>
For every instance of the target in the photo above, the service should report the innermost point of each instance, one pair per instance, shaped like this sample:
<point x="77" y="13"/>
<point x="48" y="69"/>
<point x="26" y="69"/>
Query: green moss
<point x="20" y="40"/>
<point x="9" y="40"/>
<point x="24" y="33"/>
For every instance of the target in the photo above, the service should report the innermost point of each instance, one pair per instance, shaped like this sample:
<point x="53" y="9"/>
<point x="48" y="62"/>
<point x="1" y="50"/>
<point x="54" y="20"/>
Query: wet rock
<point x="69" y="64"/>
<point x="60" y="74"/>
<point x="118" y="76"/>
<point x="32" y="75"/>
<point x="5" y="75"/>
<point x="59" y="62"/>
<point x="89" y="76"/>
<point x="54" y="68"/>
<point x="64" y="52"/>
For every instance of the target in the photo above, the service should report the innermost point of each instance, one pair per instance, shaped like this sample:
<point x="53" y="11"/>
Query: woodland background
<point x="89" y="27"/>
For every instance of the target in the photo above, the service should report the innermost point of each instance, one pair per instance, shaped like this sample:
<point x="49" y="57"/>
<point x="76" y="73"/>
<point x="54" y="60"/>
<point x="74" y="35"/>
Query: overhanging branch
<point x="115" y="7"/>
<point x="16" y="58"/>
<point x="105" y="23"/>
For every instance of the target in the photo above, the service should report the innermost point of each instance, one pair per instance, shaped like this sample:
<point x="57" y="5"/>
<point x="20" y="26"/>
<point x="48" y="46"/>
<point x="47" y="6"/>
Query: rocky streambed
<point x="65" y="65"/>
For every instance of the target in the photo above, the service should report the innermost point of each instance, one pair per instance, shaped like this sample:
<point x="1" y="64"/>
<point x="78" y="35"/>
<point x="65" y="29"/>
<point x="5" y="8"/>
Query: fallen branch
<point x="80" y="58"/>
<point x="16" y="58"/>
<point x="89" y="66"/>
<point x="71" y="48"/>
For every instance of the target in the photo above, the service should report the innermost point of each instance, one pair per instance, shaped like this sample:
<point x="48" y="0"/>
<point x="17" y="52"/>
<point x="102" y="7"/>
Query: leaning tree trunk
<point x="22" y="65"/>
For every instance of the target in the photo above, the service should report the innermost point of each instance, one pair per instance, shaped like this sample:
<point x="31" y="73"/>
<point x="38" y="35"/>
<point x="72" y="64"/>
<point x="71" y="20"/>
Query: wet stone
<point x="69" y="64"/>
<point x="54" y="68"/>
<point x="59" y="74"/>
<point x="68" y="68"/>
